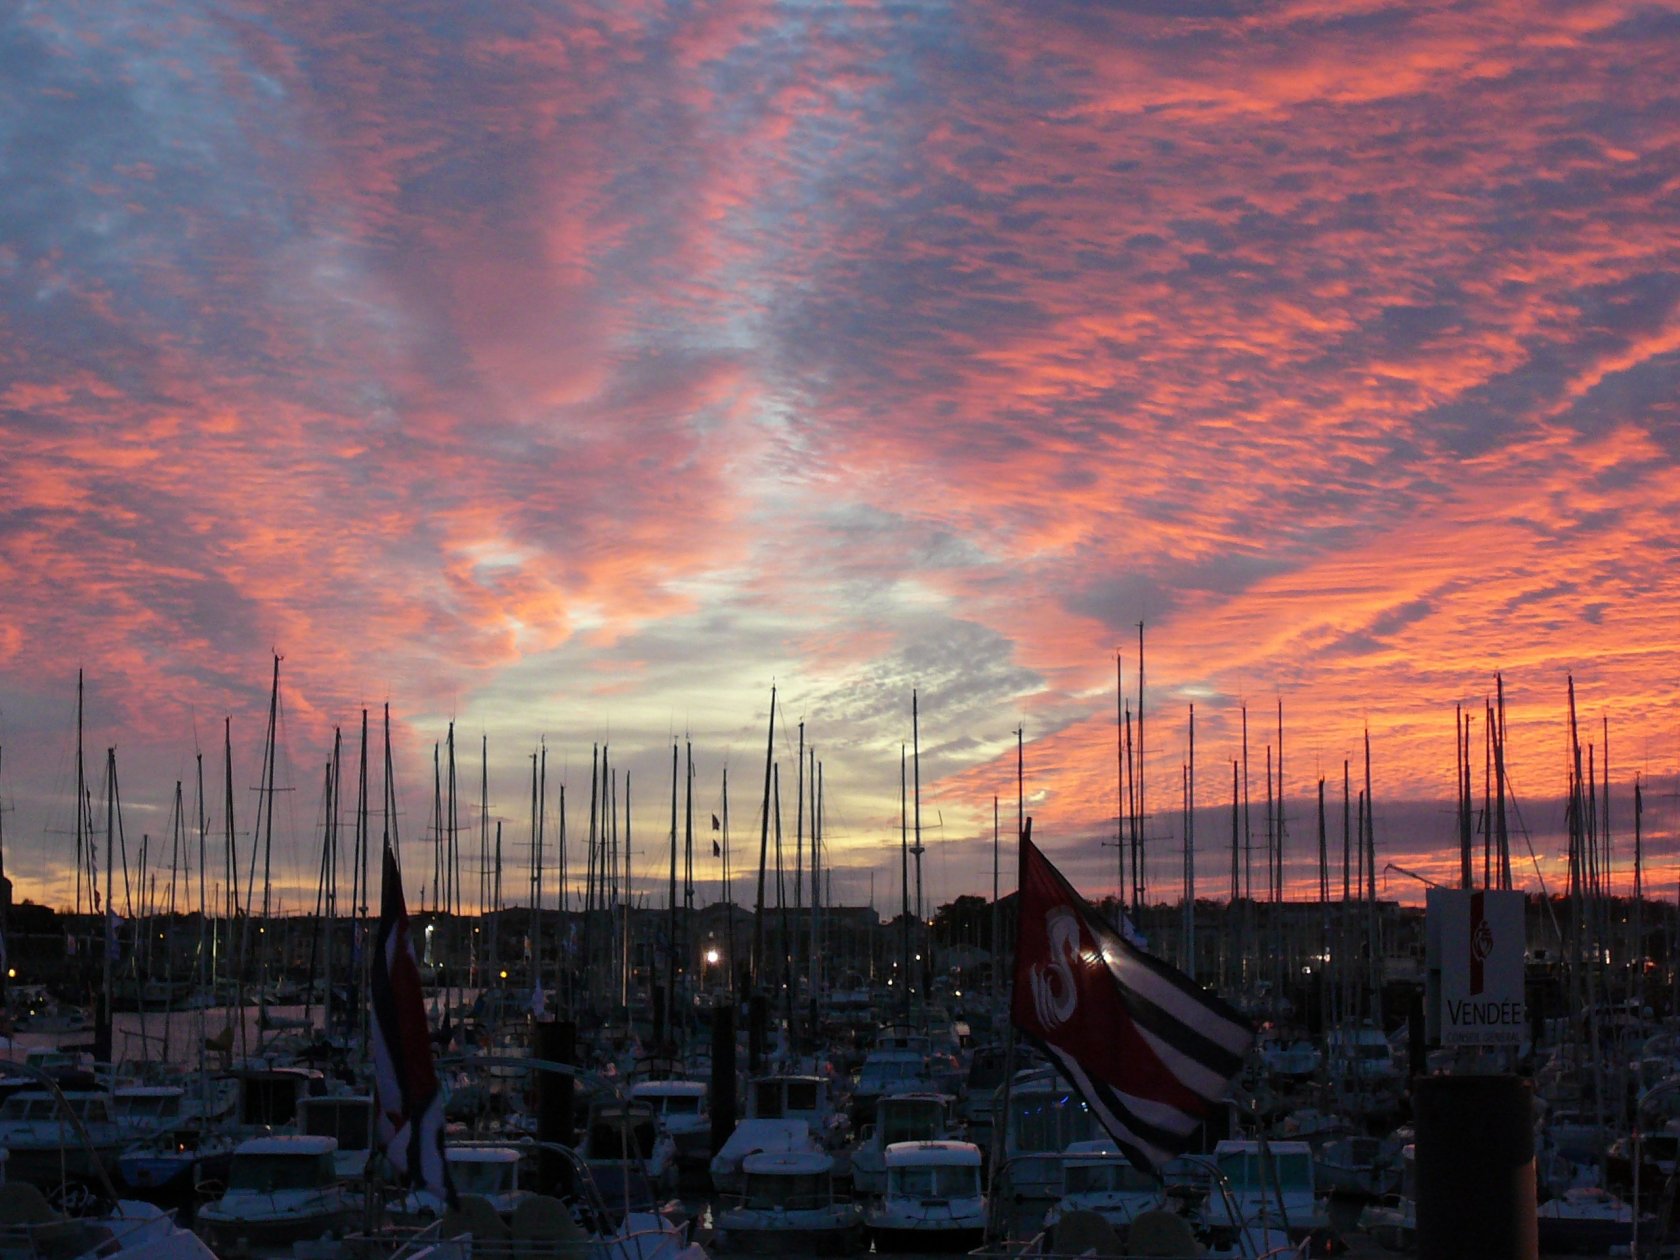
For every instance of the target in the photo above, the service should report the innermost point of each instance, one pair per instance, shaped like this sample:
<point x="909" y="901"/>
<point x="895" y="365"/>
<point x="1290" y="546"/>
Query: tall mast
<point x="904" y="872"/>
<point x="1502" y="834"/>
<point x="590" y="861"/>
<point x="624" y="960"/>
<point x="1459" y="772"/>
<point x="1119" y="790"/>
<point x="688" y="854"/>
<point x="1280" y="827"/>
<point x="1140" y="777"/>
<point x="1190" y="850"/>
<point x="996" y="943"/>
<point x="763" y="848"/>
<point x="359" y="903"/>
<point x="108" y="925"/>
<point x="271" y="754"/>
<point x="921" y="934"/>
<point x="671" y="912"/>
<point x="82" y="836"/>
<point x="485" y="929"/>
<point x="813" y="955"/>
<point x="799" y="831"/>
<point x="331" y="893"/>
<point x="1374" y="952"/>
<point x="542" y="841"/>
<point x="728" y="894"/>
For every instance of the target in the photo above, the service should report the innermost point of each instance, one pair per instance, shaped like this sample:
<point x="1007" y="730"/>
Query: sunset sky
<point x="579" y="372"/>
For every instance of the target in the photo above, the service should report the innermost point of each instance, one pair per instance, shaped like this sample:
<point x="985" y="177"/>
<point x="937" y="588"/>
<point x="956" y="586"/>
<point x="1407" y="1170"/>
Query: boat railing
<point x="59" y="1236"/>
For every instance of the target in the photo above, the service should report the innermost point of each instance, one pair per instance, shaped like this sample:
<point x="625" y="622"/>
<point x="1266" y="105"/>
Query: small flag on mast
<point x="408" y="1103"/>
<point x="1149" y="1050"/>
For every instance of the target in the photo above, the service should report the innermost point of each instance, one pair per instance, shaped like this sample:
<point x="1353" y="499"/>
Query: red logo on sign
<point x="1481" y="942"/>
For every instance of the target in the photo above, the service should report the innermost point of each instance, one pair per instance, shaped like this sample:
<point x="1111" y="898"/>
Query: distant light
<point x="504" y="973"/>
<point x="712" y="957"/>
<point x="11" y="973"/>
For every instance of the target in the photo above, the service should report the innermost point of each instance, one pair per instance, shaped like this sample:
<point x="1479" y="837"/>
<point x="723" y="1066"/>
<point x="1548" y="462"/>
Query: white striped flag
<point x="1149" y="1050"/>
<point x="408" y="1102"/>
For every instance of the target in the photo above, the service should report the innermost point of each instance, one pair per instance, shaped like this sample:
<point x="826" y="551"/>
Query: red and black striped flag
<point x="1149" y="1050"/>
<point x="408" y="1102"/>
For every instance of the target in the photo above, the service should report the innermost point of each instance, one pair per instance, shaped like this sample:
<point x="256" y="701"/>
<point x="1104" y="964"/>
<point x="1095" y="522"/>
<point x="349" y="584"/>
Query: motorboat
<point x="177" y="1161"/>
<point x="489" y="1173"/>
<point x="889" y="1071"/>
<point x="1264" y="1185"/>
<point x="1045" y="1117"/>
<point x="30" y="1226"/>
<point x="280" y="1190"/>
<point x="789" y="1208"/>
<point x="933" y="1199"/>
<point x="909" y="1117"/>
<point x="1097" y="1178"/>
<point x="621" y="1131"/>
<point x="57" y="1138"/>
<point x="680" y="1106"/>
<point x="757" y="1137"/>
<point x="1585" y="1220"/>
<point x="798" y="1096"/>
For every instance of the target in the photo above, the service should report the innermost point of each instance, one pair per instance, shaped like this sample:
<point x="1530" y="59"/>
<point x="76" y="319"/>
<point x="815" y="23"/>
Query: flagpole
<point x="1000" y="1117"/>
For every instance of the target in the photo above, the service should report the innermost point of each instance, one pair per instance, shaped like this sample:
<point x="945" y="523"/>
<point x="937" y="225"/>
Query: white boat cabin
<point x="933" y="1170"/>
<point x="271" y="1165"/>
<point x="788" y="1181"/>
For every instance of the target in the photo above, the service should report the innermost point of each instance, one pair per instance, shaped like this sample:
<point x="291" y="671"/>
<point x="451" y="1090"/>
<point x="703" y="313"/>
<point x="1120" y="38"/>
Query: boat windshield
<point x="682" y="1105"/>
<point x="934" y="1181"/>
<point x="150" y="1106"/>
<point x="1244" y="1170"/>
<point x="1041" y="1122"/>
<point x="1109" y="1176"/>
<point x="90" y="1110"/>
<point x="266" y="1174"/>
<point x="909" y="1122"/>
<point x="802" y="1096"/>
<point x="784" y="1190"/>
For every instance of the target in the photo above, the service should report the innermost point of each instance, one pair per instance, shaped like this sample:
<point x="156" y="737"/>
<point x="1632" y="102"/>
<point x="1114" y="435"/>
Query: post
<point x="1475" y="1168"/>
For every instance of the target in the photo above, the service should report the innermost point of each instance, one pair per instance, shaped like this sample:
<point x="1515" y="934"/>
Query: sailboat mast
<point x="799" y="836"/>
<point x="270" y="754"/>
<point x="763" y="848"/>
<point x="1190" y="851"/>
<point x="921" y="935"/>
<point x="904" y="873"/>
<point x="108" y="941"/>
<point x="671" y="912"/>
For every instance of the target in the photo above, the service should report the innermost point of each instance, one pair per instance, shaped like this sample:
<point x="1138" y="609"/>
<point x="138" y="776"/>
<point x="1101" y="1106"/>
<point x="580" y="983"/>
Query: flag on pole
<point x="1149" y="1050"/>
<point x="408" y="1103"/>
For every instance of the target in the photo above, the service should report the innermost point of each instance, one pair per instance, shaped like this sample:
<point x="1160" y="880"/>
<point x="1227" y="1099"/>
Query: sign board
<point x="1477" y="939"/>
